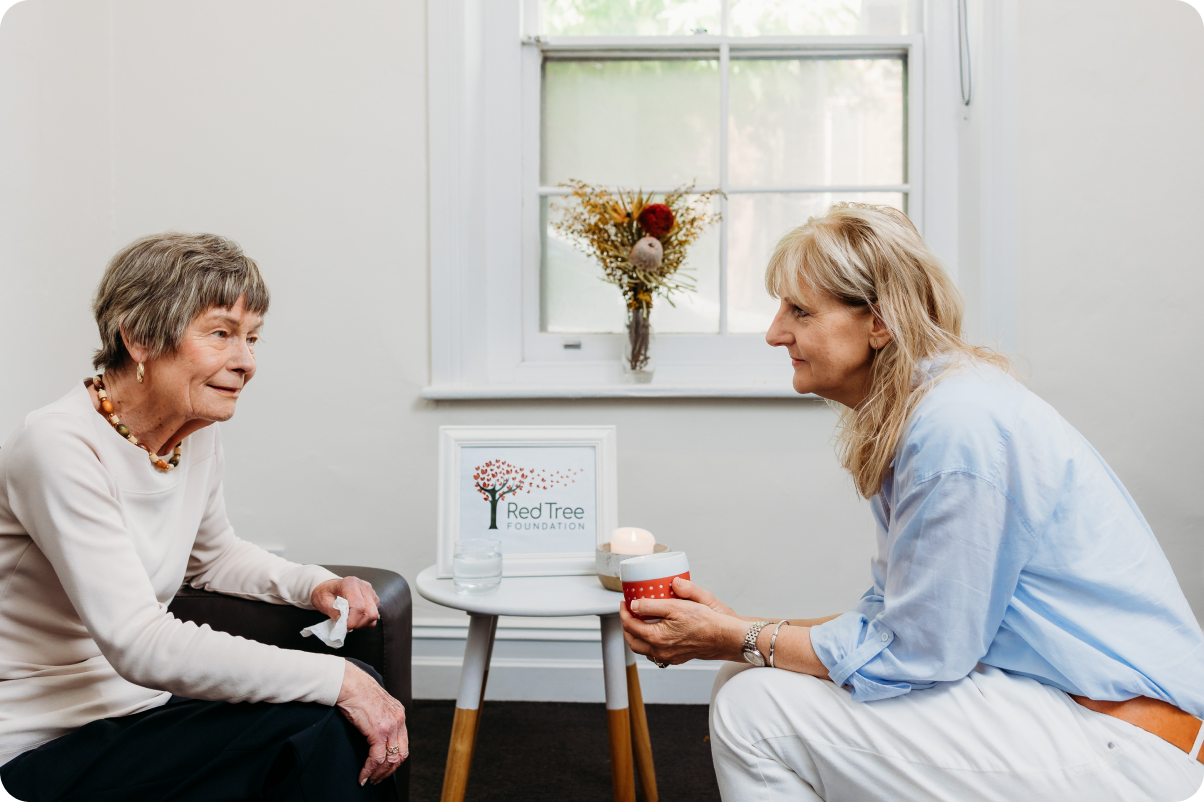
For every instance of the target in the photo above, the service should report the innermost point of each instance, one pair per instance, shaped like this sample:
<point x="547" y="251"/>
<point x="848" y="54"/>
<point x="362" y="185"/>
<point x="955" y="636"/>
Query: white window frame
<point x="485" y="249"/>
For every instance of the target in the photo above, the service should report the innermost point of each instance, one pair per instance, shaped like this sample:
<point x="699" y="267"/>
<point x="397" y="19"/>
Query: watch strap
<point x="750" y="639"/>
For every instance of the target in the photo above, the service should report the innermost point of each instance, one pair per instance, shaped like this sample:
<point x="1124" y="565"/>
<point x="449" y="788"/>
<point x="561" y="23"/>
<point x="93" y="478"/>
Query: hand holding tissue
<point x="333" y="631"/>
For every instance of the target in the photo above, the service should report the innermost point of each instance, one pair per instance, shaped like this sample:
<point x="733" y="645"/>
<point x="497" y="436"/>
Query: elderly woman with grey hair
<point x="110" y="498"/>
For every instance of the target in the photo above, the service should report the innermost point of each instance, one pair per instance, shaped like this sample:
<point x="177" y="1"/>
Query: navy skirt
<point x="194" y="751"/>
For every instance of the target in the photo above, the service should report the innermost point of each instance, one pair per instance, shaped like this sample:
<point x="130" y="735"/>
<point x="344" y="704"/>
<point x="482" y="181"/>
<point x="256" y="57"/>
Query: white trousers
<point x="777" y="735"/>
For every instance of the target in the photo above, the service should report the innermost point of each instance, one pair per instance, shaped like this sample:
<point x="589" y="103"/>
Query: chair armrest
<point x="386" y="647"/>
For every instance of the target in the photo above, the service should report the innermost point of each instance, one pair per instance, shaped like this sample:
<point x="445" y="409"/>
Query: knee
<point x="369" y="670"/>
<point x="726" y="672"/>
<point x="746" y="700"/>
<point x="741" y="685"/>
<point x="732" y="695"/>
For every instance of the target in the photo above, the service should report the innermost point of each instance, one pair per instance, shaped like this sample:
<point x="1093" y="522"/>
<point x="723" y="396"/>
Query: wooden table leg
<point x="641" y="743"/>
<point x="473" y="677"/>
<point x="614" y="663"/>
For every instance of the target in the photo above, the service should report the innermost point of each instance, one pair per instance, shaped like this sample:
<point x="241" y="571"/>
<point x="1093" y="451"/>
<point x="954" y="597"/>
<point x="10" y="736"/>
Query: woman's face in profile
<point x="829" y="345"/>
<point x="214" y="362"/>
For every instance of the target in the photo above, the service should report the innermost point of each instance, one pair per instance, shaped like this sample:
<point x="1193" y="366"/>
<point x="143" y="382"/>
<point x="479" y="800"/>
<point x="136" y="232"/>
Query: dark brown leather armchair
<point x="386" y="647"/>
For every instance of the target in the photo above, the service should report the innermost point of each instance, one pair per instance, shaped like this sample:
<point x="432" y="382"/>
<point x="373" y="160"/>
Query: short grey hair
<point x="156" y="286"/>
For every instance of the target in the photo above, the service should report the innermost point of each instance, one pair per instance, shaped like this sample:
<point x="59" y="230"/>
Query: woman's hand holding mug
<point x="686" y="589"/>
<point x="695" y="626"/>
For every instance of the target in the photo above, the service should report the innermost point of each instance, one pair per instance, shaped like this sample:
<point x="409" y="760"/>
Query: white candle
<point x="631" y="540"/>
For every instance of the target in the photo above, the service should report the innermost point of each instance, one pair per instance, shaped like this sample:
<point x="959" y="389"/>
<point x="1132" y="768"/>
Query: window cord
<point x="964" y="76"/>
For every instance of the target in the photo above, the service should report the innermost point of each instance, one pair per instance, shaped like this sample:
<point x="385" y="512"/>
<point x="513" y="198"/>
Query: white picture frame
<point x="461" y="445"/>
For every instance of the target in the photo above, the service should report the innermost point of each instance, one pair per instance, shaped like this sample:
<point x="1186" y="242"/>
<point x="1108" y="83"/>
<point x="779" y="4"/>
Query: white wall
<point x="298" y="128"/>
<point x="1112" y="188"/>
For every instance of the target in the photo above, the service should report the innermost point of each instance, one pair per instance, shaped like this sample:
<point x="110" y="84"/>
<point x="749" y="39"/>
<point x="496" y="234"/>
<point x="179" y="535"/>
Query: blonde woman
<point x="1024" y="636"/>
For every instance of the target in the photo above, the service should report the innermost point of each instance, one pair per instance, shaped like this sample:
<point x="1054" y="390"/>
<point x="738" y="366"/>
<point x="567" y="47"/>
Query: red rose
<point x="656" y="219"/>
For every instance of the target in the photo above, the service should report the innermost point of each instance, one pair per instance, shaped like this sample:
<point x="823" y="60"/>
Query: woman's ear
<point x="138" y="353"/>
<point x="879" y="333"/>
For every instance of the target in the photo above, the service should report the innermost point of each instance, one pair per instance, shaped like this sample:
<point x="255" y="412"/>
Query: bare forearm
<point x="793" y="651"/>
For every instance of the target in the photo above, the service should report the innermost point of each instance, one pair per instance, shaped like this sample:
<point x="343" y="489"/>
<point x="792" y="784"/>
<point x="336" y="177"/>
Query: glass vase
<point x="638" y="364"/>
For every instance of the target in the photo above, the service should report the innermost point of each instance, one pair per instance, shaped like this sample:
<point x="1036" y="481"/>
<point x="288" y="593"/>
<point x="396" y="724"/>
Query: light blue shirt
<point x="1005" y="539"/>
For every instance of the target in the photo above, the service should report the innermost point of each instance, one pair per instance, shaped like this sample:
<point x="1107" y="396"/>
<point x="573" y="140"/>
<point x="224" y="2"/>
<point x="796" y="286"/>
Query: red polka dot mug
<point x="651" y="576"/>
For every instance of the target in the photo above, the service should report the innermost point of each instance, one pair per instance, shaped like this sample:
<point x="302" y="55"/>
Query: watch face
<point x="754" y="657"/>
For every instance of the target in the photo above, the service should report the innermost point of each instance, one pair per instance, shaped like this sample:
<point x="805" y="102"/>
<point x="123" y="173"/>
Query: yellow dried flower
<point x="619" y="214"/>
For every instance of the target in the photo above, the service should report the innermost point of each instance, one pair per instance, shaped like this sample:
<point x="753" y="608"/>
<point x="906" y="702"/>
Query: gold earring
<point x="141" y="372"/>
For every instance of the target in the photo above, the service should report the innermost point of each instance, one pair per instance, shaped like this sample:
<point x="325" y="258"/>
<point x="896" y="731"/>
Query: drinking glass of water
<point x="477" y="566"/>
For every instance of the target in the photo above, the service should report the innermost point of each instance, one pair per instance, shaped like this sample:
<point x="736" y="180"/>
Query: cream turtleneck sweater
<point x="94" y="543"/>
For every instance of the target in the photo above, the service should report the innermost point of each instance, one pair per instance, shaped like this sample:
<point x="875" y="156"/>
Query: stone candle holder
<point x="606" y="563"/>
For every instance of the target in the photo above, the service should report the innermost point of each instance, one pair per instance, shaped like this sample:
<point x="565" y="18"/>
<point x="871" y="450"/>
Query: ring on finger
<point x="392" y="750"/>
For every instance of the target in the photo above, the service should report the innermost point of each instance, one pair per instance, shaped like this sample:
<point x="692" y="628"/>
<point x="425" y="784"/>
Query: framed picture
<point x="548" y="493"/>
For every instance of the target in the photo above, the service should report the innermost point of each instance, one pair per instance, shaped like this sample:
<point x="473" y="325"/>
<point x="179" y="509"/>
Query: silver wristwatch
<point x="750" y="652"/>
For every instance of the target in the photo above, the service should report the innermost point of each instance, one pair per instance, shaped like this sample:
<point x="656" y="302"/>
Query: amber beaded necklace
<point x="124" y="431"/>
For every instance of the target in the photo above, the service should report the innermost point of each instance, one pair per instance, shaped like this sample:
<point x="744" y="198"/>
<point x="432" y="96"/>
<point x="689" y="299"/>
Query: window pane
<point x="631" y="123"/>
<point x="694" y="312"/>
<point x="816" y="17"/>
<point x="575" y="300"/>
<point x="628" y="17"/>
<point x="573" y="297"/>
<point x="816" y="121"/>
<point x="756" y="223"/>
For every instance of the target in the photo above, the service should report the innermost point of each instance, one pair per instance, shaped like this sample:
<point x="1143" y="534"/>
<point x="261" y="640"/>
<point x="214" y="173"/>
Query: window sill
<point x="483" y="392"/>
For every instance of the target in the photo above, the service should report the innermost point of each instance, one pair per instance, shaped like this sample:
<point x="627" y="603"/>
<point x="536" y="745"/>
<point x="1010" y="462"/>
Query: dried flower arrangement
<point x="640" y="245"/>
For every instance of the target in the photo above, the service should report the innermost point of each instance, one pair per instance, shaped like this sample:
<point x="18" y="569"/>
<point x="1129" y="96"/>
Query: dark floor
<point x="533" y="751"/>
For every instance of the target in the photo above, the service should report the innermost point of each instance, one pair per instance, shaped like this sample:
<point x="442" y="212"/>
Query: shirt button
<point x="885" y="637"/>
<point x="1111" y="744"/>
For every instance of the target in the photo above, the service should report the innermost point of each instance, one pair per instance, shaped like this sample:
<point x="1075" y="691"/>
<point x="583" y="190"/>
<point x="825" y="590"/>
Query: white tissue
<point x="333" y="631"/>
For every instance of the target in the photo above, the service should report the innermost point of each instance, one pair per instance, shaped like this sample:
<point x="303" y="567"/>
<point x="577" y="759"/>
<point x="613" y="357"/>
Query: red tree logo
<point x="497" y="479"/>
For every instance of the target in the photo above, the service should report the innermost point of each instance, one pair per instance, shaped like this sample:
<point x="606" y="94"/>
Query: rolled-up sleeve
<point x="953" y="552"/>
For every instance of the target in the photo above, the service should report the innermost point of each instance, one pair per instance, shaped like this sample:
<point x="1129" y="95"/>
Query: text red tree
<point x="497" y="479"/>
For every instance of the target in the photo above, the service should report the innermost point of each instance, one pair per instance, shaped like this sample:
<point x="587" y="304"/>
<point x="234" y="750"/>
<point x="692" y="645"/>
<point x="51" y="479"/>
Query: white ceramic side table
<point x="546" y="596"/>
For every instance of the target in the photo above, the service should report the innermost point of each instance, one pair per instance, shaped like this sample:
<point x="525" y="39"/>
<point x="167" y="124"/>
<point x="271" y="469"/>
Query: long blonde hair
<point x="872" y="256"/>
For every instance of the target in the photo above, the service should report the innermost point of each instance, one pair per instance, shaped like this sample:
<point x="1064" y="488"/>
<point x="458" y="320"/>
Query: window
<point x="801" y="132"/>
<point x="784" y="105"/>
